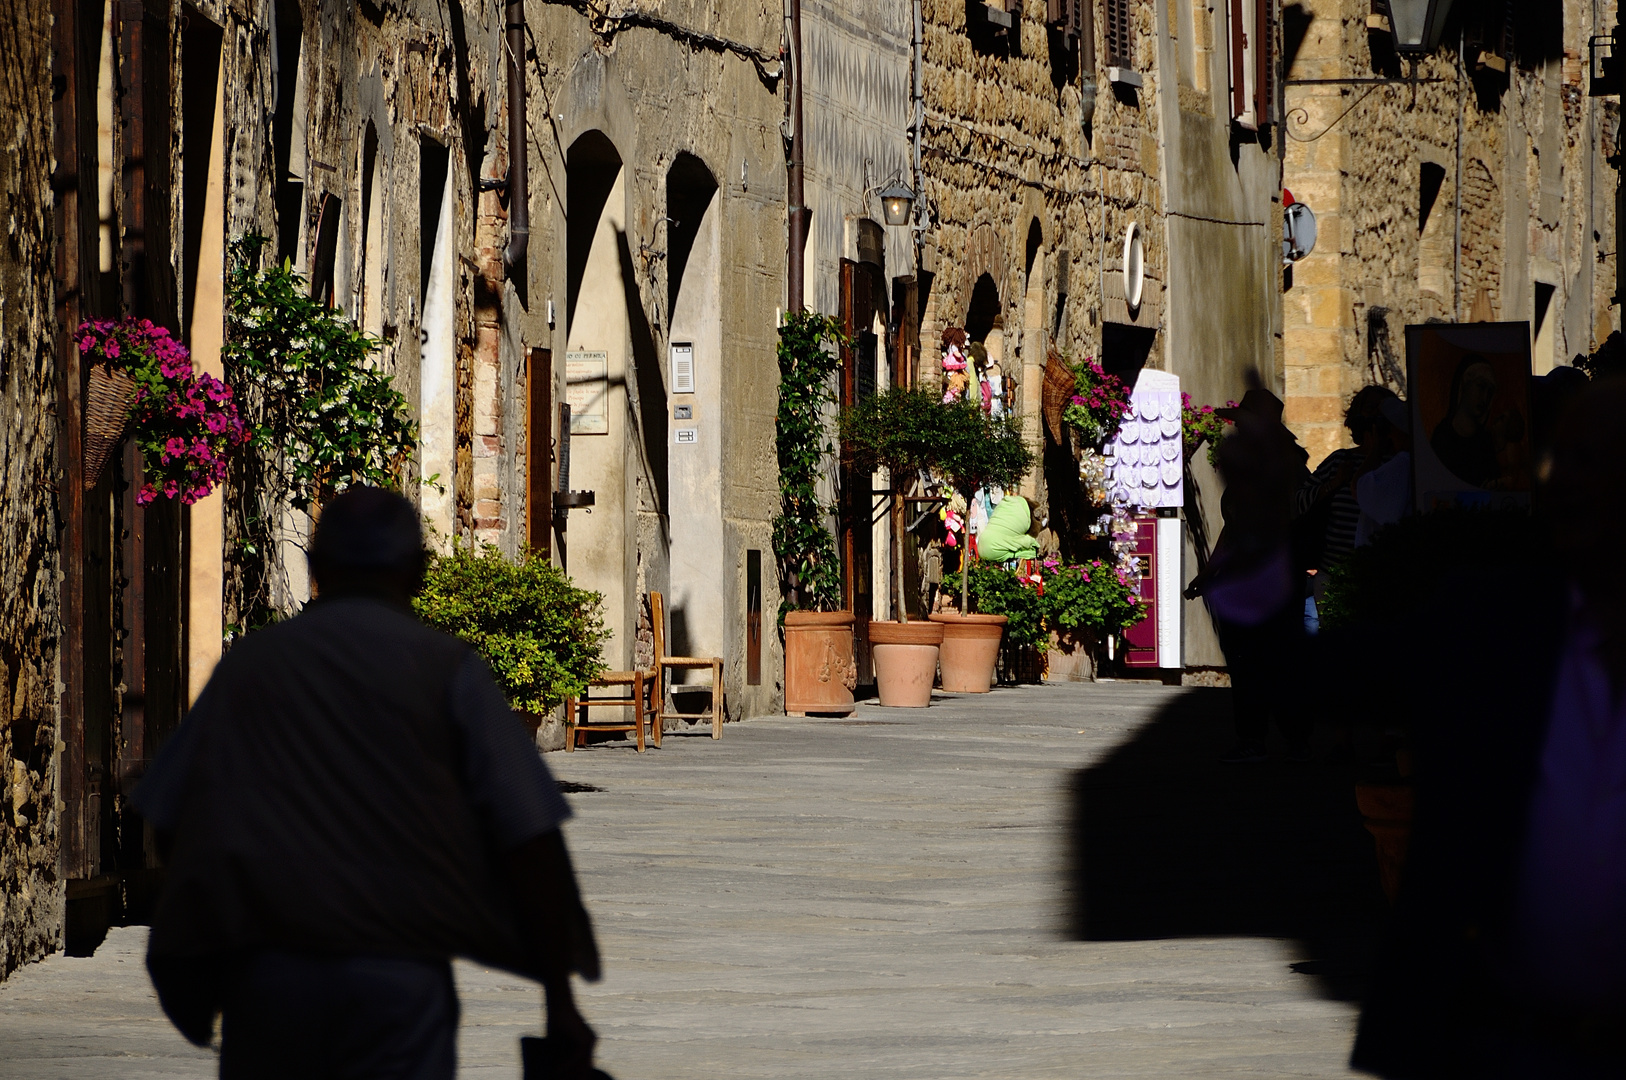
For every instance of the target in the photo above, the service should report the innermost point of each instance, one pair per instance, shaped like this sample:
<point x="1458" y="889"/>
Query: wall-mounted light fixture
<point x="1417" y="24"/>
<point x="897" y="202"/>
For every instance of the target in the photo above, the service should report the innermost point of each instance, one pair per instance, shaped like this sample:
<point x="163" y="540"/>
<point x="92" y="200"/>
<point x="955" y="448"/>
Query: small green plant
<point x="809" y="570"/>
<point x="543" y="637"/>
<point x="977" y="450"/>
<point x="1388" y="580"/>
<point x="900" y="430"/>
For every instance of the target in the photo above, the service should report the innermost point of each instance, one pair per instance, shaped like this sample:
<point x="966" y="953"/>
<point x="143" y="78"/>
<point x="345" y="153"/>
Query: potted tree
<point x="898" y="430"/>
<point x="975" y="450"/>
<point x="819" y="670"/>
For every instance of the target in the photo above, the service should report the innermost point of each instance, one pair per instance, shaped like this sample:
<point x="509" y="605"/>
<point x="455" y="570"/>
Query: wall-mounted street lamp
<point x="1418" y="24"/>
<point x="897" y="202"/>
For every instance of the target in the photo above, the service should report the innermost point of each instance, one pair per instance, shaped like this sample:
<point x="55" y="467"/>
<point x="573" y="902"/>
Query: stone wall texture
<point x="31" y="892"/>
<point x="1525" y="198"/>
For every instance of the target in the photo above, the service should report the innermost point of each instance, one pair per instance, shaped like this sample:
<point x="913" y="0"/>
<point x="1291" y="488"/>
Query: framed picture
<point x="1469" y="386"/>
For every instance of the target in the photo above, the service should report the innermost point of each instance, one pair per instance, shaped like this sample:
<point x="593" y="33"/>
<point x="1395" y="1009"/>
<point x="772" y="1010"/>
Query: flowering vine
<point x="1201" y="424"/>
<point x="185" y="422"/>
<point x="1098" y="403"/>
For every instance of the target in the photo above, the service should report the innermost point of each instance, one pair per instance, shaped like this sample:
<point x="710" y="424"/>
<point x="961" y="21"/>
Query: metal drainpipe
<point x="514" y="259"/>
<point x="1462" y="104"/>
<point x="798" y="211"/>
<point x="919" y="126"/>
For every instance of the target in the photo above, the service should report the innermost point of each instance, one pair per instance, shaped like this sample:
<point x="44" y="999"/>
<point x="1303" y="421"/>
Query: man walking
<point x="349" y="804"/>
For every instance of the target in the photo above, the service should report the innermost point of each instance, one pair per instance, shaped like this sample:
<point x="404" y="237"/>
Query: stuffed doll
<point x="955" y="365"/>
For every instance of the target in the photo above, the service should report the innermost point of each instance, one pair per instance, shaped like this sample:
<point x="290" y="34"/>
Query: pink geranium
<point x="185" y="423"/>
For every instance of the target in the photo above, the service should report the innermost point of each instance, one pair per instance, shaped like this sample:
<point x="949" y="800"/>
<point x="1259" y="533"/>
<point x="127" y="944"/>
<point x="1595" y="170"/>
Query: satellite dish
<point x="1298" y="232"/>
<point x="1134" y="266"/>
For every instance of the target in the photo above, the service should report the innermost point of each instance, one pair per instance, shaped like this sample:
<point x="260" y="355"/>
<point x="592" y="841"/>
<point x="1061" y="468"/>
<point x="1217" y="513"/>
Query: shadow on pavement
<point x="1166" y="841"/>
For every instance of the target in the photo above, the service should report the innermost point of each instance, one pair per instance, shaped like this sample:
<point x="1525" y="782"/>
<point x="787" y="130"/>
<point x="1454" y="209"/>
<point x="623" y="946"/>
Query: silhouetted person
<point x="1328" y="498"/>
<point x="1507" y="956"/>
<point x="349" y="804"/>
<point x="1251" y="584"/>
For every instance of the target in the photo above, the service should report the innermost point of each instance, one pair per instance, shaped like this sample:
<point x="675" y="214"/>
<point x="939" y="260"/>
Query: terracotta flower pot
<point x="970" y="651"/>
<point x="1387" y="809"/>
<point x="905" y="656"/>
<point x="819" y="669"/>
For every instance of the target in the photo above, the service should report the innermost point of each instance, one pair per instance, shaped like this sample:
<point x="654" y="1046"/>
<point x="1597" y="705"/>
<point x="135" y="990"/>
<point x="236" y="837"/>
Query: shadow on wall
<point x="1165" y="841"/>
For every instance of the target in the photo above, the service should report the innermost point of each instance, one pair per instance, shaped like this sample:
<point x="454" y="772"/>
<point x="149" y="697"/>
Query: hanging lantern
<point x="1417" y="24"/>
<point x="896" y="202"/>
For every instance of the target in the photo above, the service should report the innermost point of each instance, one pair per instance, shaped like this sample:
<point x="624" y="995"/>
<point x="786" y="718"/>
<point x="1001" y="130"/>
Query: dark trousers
<point x="287" y="1015"/>
<point x="1266" y="664"/>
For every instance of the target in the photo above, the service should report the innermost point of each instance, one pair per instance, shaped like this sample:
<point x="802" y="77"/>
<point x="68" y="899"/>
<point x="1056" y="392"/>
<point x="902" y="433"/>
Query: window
<point x="1253" y="63"/>
<point x="1066" y="16"/>
<point x="1120" y="36"/>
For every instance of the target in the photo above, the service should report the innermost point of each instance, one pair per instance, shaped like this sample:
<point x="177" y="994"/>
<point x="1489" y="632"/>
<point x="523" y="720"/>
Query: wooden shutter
<point x="1055" y="12"/>
<point x="1239" y="49"/>
<point x="1264" y="57"/>
<point x="1120" y="39"/>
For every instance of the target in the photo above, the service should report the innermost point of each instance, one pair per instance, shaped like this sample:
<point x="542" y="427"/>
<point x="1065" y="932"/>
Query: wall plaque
<point x="587" y="392"/>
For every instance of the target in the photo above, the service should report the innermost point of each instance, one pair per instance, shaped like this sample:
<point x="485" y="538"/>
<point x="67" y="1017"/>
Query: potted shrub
<point x="1020" y="606"/>
<point x="543" y="637"/>
<point x="899" y="430"/>
<point x="819" y="669"/>
<point x="975" y="450"/>
<point x="1087" y="603"/>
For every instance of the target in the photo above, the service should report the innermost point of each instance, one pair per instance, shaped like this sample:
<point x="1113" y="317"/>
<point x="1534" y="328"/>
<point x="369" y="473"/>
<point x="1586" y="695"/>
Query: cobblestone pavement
<point x="901" y="894"/>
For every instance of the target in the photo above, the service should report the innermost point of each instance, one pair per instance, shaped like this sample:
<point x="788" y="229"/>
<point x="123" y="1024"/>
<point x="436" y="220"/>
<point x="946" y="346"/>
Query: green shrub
<point x="1393" y="576"/>
<point x="996" y="590"/>
<point x="543" y="637"/>
<point x="1094" y="595"/>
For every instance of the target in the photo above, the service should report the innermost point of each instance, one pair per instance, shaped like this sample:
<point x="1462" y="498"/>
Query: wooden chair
<point x="644" y="701"/>
<point x="664" y="663"/>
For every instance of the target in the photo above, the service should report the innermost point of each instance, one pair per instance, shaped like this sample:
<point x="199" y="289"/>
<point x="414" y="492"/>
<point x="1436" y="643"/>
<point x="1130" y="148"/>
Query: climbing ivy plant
<point x="320" y="413"/>
<point x="809" y="570"/>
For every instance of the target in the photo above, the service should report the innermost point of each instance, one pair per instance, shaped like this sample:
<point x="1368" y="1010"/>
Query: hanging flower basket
<point x="107" y="416"/>
<point x="184" y="422"/>
<point x="1058" y="387"/>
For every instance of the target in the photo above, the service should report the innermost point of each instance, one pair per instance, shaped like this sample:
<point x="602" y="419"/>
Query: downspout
<point x="1462" y="103"/>
<point x="514" y="260"/>
<point x="919" y="124"/>
<point x="795" y="192"/>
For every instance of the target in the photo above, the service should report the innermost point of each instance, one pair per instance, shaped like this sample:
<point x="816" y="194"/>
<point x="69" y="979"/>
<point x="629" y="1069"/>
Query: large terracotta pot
<point x="1387" y="809"/>
<point x="905" y="656"/>
<point x="970" y="651"/>
<point x="819" y="669"/>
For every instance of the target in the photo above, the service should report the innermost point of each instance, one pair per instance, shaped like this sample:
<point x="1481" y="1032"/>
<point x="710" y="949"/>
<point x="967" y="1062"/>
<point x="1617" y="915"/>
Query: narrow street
<point x="894" y="895"/>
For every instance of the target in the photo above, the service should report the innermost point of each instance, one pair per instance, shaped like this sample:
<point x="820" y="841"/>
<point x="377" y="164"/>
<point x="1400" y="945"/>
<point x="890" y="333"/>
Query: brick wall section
<point x="31" y="893"/>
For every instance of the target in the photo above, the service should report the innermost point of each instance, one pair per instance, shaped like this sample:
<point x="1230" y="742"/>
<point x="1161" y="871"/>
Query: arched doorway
<point x="601" y="548"/>
<point x="694" y="377"/>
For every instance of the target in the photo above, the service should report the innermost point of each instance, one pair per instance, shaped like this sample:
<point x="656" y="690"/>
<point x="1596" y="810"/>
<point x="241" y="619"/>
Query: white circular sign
<point x="1134" y="265"/>
<point x="1298" y="232"/>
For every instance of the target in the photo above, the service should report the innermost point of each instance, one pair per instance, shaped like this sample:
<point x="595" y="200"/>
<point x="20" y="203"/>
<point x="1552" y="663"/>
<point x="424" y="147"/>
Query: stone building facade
<point x="31" y="886"/>
<point x="1046" y="140"/>
<point x="1478" y="192"/>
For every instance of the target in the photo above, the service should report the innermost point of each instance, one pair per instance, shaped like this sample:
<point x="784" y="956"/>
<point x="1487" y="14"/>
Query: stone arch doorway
<point x="618" y="406"/>
<point x="694" y="377"/>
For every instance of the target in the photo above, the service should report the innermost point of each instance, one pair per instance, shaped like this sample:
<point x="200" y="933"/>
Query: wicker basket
<point x="1058" y="387"/>
<point x="107" y="415"/>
